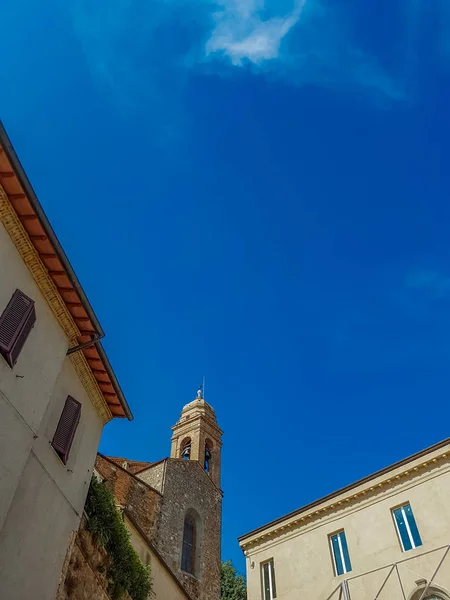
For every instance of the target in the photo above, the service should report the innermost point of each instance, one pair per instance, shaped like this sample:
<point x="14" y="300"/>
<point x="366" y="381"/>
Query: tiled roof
<point x="23" y="200"/>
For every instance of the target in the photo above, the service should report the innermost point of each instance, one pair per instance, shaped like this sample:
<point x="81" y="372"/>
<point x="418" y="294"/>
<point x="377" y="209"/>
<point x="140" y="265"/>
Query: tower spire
<point x="201" y="389"/>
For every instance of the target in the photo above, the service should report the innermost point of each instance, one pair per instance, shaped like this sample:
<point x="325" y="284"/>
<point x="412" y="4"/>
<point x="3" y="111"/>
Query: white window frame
<point x="271" y="568"/>
<point x="341" y="552"/>
<point x="408" y="528"/>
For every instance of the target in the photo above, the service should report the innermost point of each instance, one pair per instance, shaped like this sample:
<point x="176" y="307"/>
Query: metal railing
<point x="399" y="578"/>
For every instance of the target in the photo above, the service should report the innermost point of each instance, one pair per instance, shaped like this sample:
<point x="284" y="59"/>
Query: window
<point x="67" y="426"/>
<point x="186" y="449"/>
<point x="16" y="323"/>
<point x="339" y="550"/>
<point x="189" y="541"/>
<point x="268" y="580"/>
<point x="208" y="455"/>
<point x="406" y="527"/>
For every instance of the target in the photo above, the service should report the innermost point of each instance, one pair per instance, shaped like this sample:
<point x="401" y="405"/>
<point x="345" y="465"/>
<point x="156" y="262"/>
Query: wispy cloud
<point x="311" y="43"/>
<point x="242" y="32"/>
<point x="144" y="51"/>
<point x="423" y="296"/>
<point x="430" y="283"/>
<point x="400" y="319"/>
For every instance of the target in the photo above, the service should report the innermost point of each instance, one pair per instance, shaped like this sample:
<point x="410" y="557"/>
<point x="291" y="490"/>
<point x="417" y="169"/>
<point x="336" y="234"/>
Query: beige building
<point x="57" y="391"/>
<point x="386" y="537"/>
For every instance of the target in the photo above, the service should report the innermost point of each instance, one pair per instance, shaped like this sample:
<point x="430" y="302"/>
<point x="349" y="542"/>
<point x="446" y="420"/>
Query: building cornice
<point x="345" y="497"/>
<point x="21" y="240"/>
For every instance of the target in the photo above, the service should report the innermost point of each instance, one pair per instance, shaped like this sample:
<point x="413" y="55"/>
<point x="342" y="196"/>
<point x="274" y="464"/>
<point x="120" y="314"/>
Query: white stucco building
<point x="385" y="537"/>
<point x="57" y="391"/>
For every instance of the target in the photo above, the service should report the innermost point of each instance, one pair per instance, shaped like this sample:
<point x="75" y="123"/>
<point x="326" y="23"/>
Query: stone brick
<point x="84" y="574"/>
<point x="142" y="501"/>
<point x="187" y="487"/>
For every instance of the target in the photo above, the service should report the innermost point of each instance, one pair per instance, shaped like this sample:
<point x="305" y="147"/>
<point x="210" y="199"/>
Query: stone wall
<point x="84" y="572"/>
<point x="188" y="487"/>
<point x="140" y="500"/>
<point x="154" y="475"/>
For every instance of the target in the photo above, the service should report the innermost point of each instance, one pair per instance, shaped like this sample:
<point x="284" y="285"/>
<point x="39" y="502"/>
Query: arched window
<point x="208" y="455"/>
<point x="190" y="551"/>
<point x="434" y="592"/>
<point x="185" y="449"/>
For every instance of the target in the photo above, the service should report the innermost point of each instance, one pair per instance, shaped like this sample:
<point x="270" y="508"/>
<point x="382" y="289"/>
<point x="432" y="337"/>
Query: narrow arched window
<point x="189" y="544"/>
<point x="208" y="456"/>
<point x="185" y="451"/>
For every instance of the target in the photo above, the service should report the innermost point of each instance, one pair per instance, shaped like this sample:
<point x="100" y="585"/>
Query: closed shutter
<point x="16" y="323"/>
<point x="65" y="432"/>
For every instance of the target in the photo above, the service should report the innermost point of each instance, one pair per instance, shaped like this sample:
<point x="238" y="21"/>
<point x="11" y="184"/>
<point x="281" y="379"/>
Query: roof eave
<point x="114" y="381"/>
<point x="31" y="195"/>
<point x="19" y="172"/>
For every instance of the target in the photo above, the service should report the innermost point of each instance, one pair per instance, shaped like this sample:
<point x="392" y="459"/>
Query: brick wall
<point x="142" y="501"/>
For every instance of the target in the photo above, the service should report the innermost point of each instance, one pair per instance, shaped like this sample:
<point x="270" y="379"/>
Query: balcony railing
<point x="418" y="577"/>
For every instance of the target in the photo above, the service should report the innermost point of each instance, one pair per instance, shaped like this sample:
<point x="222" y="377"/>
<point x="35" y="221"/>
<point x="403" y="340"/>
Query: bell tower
<point x="197" y="437"/>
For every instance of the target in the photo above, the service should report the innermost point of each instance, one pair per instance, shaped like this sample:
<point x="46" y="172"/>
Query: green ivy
<point x="126" y="572"/>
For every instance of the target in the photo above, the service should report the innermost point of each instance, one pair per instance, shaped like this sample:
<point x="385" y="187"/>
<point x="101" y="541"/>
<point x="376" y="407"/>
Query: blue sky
<point x="256" y="192"/>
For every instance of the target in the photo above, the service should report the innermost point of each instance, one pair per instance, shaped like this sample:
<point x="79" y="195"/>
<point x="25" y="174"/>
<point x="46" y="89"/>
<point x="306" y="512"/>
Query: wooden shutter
<point x="65" y="432"/>
<point x="16" y="323"/>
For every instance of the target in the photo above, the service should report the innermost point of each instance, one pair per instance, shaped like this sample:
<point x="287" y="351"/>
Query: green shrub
<point x="126" y="572"/>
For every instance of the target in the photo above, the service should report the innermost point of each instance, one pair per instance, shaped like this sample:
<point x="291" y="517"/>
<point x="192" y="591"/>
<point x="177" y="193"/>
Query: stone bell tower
<point x="197" y="437"/>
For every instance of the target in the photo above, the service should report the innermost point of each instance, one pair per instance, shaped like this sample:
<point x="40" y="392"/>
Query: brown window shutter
<point x="16" y="323"/>
<point x="65" y="432"/>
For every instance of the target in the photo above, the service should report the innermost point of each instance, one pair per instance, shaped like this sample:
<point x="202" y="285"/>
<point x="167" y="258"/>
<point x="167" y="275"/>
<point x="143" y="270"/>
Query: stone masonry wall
<point x="154" y="475"/>
<point x="141" y="501"/>
<point x="187" y="486"/>
<point x="84" y="572"/>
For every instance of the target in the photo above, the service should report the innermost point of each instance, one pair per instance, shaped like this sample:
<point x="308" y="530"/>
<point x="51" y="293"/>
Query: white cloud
<point x="143" y="51"/>
<point x="310" y="42"/>
<point x="242" y="32"/>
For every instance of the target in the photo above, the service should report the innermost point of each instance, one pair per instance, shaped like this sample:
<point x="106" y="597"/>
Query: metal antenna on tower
<point x="203" y="386"/>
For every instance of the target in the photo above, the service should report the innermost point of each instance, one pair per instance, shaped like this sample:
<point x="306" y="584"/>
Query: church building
<point x="173" y="507"/>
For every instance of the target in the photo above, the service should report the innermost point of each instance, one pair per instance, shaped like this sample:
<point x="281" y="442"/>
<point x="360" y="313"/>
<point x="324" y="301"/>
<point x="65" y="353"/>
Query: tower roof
<point x="197" y="409"/>
<point x="198" y="402"/>
<point x="198" y="406"/>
